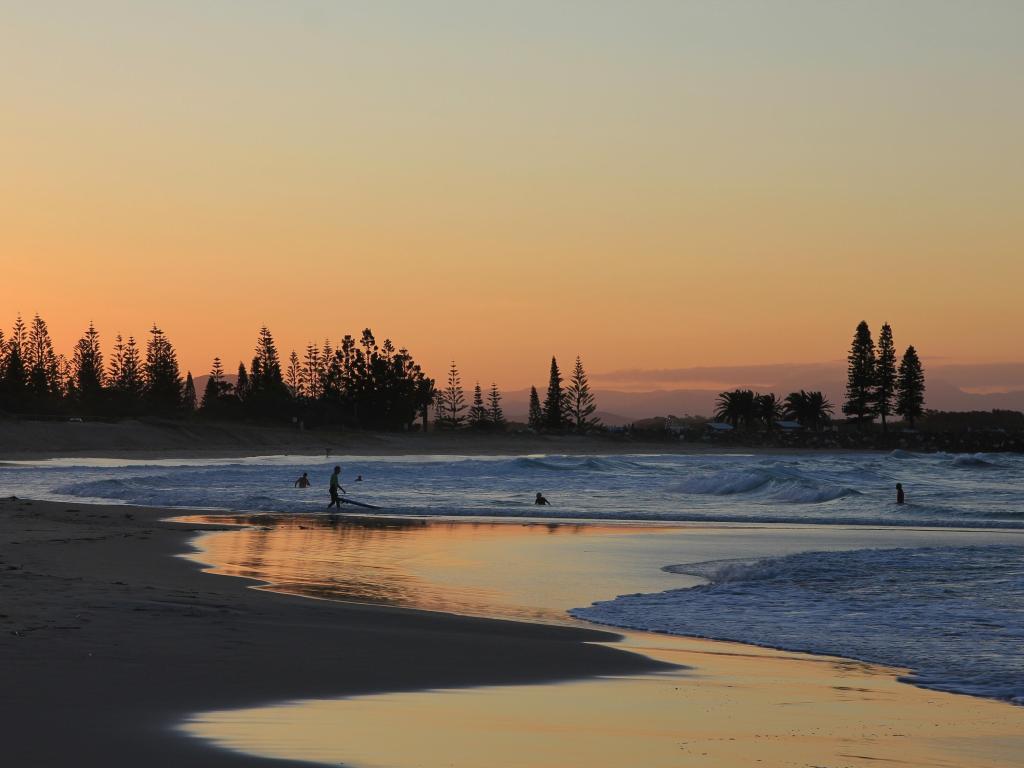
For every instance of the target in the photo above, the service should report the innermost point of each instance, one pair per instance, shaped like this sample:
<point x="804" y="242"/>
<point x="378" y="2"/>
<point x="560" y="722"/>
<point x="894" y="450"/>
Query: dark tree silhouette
<point x="267" y="396"/>
<point x="494" y="412"/>
<point x="87" y="376"/>
<point x="910" y="387"/>
<point x="125" y="377"/>
<point x="376" y="386"/>
<point x="478" y="418"/>
<point x="188" y="394"/>
<point x="216" y="391"/>
<point x="811" y="409"/>
<point x="580" y="403"/>
<point x="242" y="386"/>
<point x="163" y="387"/>
<point x="860" y="377"/>
<point x="312" y="373"/>
<point x="293" y="376"/>
<point x="451" y="402"/>
<point x="885" y="376"/>
<point x="19" y="336"/>
<point x="769" y="409"/>
<point x="554" y="403"/>
<point x="42" y="365"/>
<point x="536" y="413"/>
<point x="14" y="393"/>
<point x="737" y="407"/>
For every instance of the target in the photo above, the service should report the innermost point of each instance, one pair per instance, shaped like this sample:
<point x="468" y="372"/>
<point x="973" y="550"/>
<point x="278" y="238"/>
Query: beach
<point x="118" y="646"/>
<point x="109" y="640"/>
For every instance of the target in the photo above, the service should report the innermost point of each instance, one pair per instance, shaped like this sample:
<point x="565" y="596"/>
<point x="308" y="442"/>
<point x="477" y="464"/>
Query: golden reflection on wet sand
<point x="728" y="704"/>
<point x="532" y="571"/>
<point x="737" y="706"/>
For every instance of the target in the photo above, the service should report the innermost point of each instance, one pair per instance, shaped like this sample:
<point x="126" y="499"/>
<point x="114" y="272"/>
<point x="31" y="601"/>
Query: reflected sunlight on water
<point x="477" y="568"/>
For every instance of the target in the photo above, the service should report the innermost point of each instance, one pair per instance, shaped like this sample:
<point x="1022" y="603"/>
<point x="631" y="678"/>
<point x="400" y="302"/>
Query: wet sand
<point x="734" y="706"/>
<point x="107" y="642"/>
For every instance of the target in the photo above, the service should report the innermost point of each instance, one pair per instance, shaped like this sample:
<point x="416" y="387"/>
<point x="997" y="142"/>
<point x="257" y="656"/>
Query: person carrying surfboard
<point x="335" y="487"/>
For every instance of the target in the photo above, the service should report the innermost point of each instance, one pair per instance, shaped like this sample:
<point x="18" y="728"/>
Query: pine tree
<point x="478" y="418"/>
<point x="124" y="376"/>
<point x="451" y="401"/>
<point x="14" y="386"/>
<point x="163" y="387"/>
<point x="19" y="336"/>
<point x="3" y="354"/>
<point x="312" y="376"/>
<point x="131" y="372"/>
<point x="580" y="400"/>
<point x="255" y="375"/>
<point x="494" y="413"/>
<point x="554" y="404"/>
<point x="293" y="378"/>
<point x="62" y="383"/>
<point x="41" y="362"/>
<point x="215" y="388"/>
<point x="242" y="386"/>
<point x="910" y="387"/>
<point x="860" y="380"/>
<point x="87" y="375"/>
<point x="269" y="362"/>
<point x="536" y="416"/>
<point x="188" y="397"/>
<point x="885" y="376"/>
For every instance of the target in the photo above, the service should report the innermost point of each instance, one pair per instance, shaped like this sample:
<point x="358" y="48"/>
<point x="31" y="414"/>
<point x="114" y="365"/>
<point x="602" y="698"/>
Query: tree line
<point x="875" y="387"/>
<point x="566" y="408"/>
<point x="358" y="383"/>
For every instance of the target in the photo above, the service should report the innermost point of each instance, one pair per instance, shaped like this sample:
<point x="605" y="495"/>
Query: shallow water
<point x="947" y="604"/>
<point x="728" y="705"/>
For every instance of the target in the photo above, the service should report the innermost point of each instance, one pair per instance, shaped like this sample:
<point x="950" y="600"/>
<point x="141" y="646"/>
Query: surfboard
<point x="358" y="504"/>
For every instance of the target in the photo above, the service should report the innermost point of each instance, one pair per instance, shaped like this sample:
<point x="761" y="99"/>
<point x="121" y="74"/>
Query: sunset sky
<point x="652" y="185"/>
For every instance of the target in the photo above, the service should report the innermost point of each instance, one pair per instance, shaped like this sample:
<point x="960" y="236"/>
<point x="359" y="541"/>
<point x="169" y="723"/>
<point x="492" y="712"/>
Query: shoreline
<point x="103" y="601"/>
<point x="110" y="636"/>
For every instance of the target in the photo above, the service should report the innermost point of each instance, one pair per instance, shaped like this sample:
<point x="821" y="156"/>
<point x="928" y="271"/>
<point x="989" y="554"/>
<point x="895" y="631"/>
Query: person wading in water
<point x="335" y="487"/>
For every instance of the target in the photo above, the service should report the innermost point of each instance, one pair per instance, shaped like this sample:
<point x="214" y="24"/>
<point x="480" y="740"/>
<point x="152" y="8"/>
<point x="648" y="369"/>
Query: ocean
<point x="950" y="612"/>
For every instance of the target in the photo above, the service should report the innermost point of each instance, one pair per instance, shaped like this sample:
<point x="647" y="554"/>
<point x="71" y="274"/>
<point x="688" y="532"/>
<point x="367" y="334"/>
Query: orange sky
<point x="663" y="186"/>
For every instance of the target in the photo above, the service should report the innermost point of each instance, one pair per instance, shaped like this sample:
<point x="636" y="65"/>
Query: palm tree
<point x="736" y="406"/>
<point x="769" y="410"/>
<point x="811" y="409"/>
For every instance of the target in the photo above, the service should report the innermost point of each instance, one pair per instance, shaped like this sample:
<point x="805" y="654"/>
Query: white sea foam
<point x="952" y="615"/>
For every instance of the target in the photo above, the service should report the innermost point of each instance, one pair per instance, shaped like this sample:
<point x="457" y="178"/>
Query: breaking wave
<point x="953" y="615"/>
